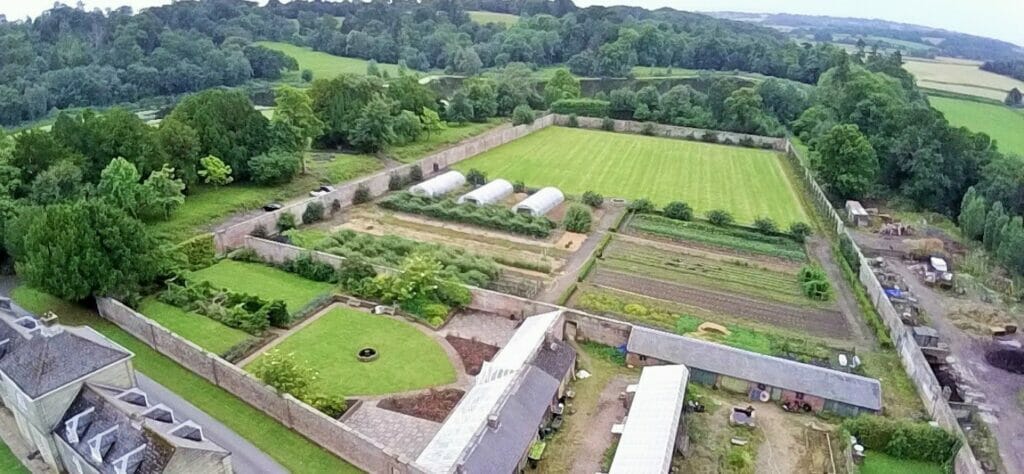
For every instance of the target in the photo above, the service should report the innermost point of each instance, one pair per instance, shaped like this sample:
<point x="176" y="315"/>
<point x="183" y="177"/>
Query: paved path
<point x="245" y="458"/>
<point x="400" y="432"/>
<point x="484" y="327"/>
<point x="578" y="258"/>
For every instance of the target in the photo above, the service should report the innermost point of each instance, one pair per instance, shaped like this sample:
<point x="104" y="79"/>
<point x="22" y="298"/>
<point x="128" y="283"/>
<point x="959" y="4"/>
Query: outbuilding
<point x="439" y="185"/>
<point x="856" y="214"/>
<point x="489" y="193"/>
<point x="540" y="202"/>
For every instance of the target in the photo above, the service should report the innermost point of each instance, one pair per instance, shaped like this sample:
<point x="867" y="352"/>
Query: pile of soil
<point x="473" y="353"/>
<point x="434" y="405"/>
<point x="1010" y="360"/>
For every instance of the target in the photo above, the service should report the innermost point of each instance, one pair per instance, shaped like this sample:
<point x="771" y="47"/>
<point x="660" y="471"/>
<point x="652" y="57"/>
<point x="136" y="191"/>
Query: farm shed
<point x="782" y="379"/>
<point x="651" y="433"/>
<point x="540" y="202"/>
<point x="856" y="214"/>
<point x="439" y="185"/>
<point x="489" y="193"/>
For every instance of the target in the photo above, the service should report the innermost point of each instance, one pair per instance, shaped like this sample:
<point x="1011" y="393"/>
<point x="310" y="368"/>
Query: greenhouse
<point x="489" y="193"/>
<point x="439" y="185"/>
<point x="540" y="202"/>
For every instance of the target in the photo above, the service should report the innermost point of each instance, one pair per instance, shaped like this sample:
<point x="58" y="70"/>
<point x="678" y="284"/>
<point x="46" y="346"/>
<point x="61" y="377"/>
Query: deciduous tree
<point x="845" y="162"/>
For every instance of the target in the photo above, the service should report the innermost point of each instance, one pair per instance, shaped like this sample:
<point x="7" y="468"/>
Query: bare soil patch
<point x="571" y="241"/>
<point x="473" y="353"/>
<point x="434" y="405"/>
<point x="820" y="322"/>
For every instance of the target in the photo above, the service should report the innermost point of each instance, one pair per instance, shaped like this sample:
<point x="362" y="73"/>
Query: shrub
<point x="584" y="107"/>
<point x="285" y="221"/>
<point x="593" y="199"/>
<point x="904" y="439"/>
<point x="607" y="124"/>
<point x="800" y="231"/>
<point x="259" y="231"/>
<point x="710" y="137"/>
<point x="274" y="167"/>
<point x="286" y="374"/>
<point x="307" y="75"/>
<point x="314" y="213"/>
<point x="245" y="254"/>
<point x="435" y="311"/>
<point x="335" y="206"/>
<point x="522" y="115"/>
<point x="678" y="210"/>
<point x="476" y="177"/>
<point x="195" y="253"/>
<point x="577" y="219"/>
<point x="573" y="121"/>
<point x="719" y="217"/>
<point x="361" y="195"/>
<point x="395" y="182"/>
<point x="815" y="283"/>
<point x="245" y="312"/>
<point x="354" y="272"/>
<point x="331" y="405"/>
<point x="747" y="142"/>
<point x="415" y="174"/>
<point x="519" y="187"/>
<point x="311" y="269"/>
<point x="766" y="225"/>
<point x="647" y="129"/>
<point x="642" y="206"/>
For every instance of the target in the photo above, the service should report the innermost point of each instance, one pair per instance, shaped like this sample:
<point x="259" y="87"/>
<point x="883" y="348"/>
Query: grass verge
<point x="205" y="332"/>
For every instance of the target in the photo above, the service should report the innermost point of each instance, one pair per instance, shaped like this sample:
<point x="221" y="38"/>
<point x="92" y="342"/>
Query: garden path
<point x="401" y="433"/>
<point x="575" y="263"/>
<point x="821" y="250"/>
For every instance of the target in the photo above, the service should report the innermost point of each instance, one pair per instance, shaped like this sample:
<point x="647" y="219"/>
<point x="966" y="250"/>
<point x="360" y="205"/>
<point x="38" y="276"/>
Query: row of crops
<point x="728" y="237"/>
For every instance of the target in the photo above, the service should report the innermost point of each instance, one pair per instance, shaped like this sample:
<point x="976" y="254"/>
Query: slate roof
<point x="500" y="449"/>
<point x="556" y="358"/>
<point x="44" y="359"/>
<point x="790" y="375"/>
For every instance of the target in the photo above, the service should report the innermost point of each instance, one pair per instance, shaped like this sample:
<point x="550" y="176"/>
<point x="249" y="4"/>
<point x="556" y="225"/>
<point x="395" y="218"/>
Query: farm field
<point x="734" y="240"/>
<point x="492" y="17"/>
<point x="1003" y="124"/>
<point x="748" y="183"/>
<point x="960" y="77"/>
<point x="205" y="332"/>
<point x="323" y="65"/>
<point x="264" y="281"/>
<point x="409" y="359"/>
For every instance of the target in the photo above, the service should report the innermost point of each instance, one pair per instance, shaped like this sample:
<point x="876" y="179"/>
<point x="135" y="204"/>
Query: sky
<point x="998" y="19"/>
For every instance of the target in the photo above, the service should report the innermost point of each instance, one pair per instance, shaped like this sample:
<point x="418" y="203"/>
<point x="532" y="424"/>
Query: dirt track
<point x="819" y="322"/>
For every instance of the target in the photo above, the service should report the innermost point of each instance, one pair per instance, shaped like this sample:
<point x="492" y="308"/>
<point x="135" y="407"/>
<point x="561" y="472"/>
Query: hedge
<point x="904" y="439"/>
<point x="195" y="253"/>
<point x="491" y="216"/>
<point x="585" y="107"/>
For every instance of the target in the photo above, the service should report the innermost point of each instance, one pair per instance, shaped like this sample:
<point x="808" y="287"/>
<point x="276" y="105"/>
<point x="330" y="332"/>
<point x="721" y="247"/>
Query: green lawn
<point x="1003" y="124"/>
<point x="409" y="359"/>
<point x="9" y="463"/>
<point x="323" y="65"/>
<point x="449" y="136"/>
<point x="881" y="463"/>
<point x="205" y="332"/>
<point x="746" y="182"/>
<point x="288" y="448"/>
<point x="264" y="281"/>
<point x="491" y="17"/>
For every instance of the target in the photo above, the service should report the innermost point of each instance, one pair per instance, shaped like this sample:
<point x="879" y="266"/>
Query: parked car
<point x="274" y="206"/>
<point x="321" y="190"/>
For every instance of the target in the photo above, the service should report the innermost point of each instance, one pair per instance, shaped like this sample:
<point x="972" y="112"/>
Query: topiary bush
<point x="395" y="182"/>
<point x="799" y="231"/>
<point x="577" y="219"/>
<point x="415" y="174"/>
<point x="314" y="213"/>
<point x="361" y="195"/>
<point x="719" y="217"/>
<point x="766" y="225"/>
<point x="522" y="115"/>
<point x="195" y="253"/>
<point x="285" y="221"/>
<point x="678" y="210"/>
<point x="476" y="177"/>
<point x="642" y="206"/>
<point x="593" y="199"/>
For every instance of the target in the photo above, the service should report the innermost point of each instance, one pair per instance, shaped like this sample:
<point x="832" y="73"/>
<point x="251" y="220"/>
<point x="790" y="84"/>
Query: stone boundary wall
<point x="672" y="131"/>
<point x="914" y="362"/>
<point x="333" y="435"/>
<point x="234" y="236"/>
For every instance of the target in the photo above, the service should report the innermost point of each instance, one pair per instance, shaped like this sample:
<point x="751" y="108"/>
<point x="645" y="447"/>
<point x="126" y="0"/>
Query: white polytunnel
<point x="540" y="202"/>
<point x="439" y="185"/>
<point x="489" y="193"/>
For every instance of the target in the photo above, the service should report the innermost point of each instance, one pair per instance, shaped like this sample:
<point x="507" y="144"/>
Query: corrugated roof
<point x="649" y="437"/>
<point x="790" y="375"/>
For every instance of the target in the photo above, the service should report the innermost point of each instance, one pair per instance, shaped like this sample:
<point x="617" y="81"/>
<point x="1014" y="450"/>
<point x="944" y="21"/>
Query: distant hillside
<point x="914" y="40"/>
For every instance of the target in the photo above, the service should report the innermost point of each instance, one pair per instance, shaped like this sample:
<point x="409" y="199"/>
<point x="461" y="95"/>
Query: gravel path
<point x="598" y="438"/>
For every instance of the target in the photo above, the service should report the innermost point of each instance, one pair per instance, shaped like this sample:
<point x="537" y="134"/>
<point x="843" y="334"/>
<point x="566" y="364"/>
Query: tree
<point x="276" y="167"/>
<point x="35" y="151"/>
<point x="307" y="75"/>
<point x="678" y="210"/>
<point x="522" y="115"/>
<point x="460" y="109"/>
<point x="294" y="113"/>
<point x="744" y="112"/>
<point x="799" y="231"/>
<point x="562" y="85"/>
<point x="119" y="183"/>
<point x="99" y="249"/>
<point x="374" y="129"/>
<point x="577" y="219"/>
<point x="641" y="206"/>
<point x="719" y="217"/>
<point x="228" y="126"/>
<point x="408" y="127"/>
<point x="643" y="113"/>
<point x="268" y="63"/>
<point x="214" y="171"/>
<point x="285" y="373"/>
<point x="766" y="225"/>
<point x="972" y="215"/>
<point x="163" y="192"/>
<point x="845" y="162"/>
<point x="411" y="95"/>
<point x="432" y="122"/>
<point x="1011" y="246"/>
<point x="484" y="97"/>
<point x="58" y="183"/>
<point x="372" y="69"/>
<point x="179" y="147"/>
<point x="1014" y="98"/>
<point x="995" y="220"/>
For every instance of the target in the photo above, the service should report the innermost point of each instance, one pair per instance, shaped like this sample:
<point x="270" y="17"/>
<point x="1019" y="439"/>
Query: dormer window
<point x="76" y="425"/>
<point x="100" y="444"/>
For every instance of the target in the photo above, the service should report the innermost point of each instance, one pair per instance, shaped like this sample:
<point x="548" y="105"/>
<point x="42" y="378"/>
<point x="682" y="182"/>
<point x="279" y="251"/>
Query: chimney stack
<point x="49" y="319"/>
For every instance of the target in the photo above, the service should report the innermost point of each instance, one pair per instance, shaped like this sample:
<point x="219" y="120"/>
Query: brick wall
<point x="332" y="435"/>
<point x="234" y="236"/>
<point x="672" y="131"/>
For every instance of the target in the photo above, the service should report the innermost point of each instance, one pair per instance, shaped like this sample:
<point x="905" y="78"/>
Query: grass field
<point x="491" y="17"/>
<point x="960" y="77"/>
<point x="263" y="281"/>
<point x="881" y="463"/>
<point x="408" y="359"/>
<point x="205" y="332"/>
<point x="288" y="448"/>
<point x="1003" y="124"/>
<point x="9" y="463"/>
<point x="746" y="182"/>
<point x="323" y="65"/>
